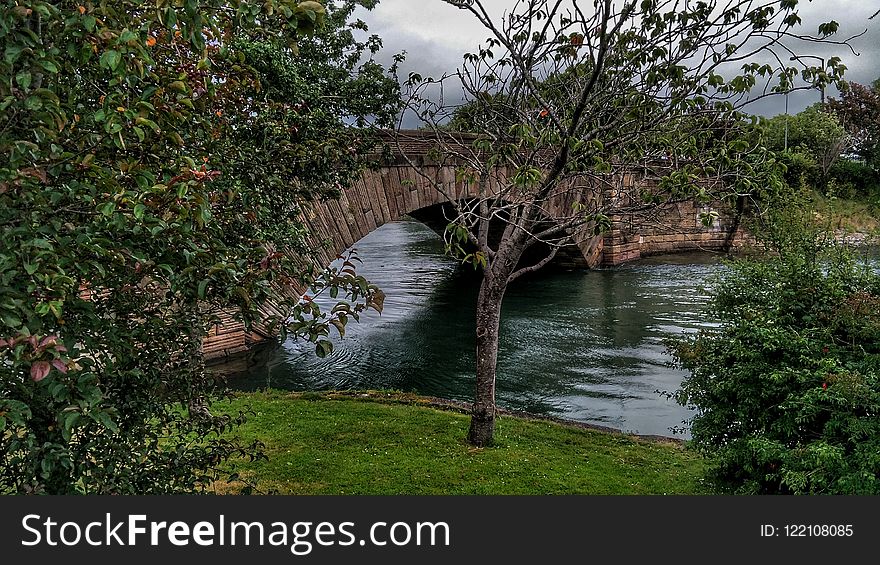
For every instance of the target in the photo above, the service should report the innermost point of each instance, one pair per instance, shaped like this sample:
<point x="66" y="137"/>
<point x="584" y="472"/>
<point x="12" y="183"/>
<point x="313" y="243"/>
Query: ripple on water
<point x="586" y="345"/>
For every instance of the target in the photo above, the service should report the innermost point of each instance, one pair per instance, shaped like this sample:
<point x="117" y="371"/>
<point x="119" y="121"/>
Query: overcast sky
<point x="435" y="35"/>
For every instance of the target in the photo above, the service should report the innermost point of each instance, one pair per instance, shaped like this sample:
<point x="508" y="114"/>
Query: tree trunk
<point x="737" y="221"/>
<point x="488" y="317"/>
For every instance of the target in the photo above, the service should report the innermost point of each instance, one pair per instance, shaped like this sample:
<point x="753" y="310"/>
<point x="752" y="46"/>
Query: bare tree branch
<point x="533" y="268"/>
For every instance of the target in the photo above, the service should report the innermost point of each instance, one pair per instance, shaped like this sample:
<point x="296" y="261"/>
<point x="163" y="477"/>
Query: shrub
<point x="863" y="179"/>
<point x="801" y="169"/>
<point x="787" y="388"/>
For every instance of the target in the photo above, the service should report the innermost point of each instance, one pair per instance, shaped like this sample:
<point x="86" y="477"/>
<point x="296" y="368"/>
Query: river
<point x="582" y="345"/>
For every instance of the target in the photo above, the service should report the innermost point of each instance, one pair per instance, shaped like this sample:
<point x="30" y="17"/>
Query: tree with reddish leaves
<point x="858" y="109"/>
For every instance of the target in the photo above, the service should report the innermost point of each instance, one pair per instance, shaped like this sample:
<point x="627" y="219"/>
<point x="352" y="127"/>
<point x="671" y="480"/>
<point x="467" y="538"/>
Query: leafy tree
<point x="153" y="155"/>
<point x="859" y="111"/>
<point x="815" y="134"/>
<point x="646" y="84"/>
<point x="853" y="178"/>
<point x="788" y="386"/>
<point x="472" y="116"/>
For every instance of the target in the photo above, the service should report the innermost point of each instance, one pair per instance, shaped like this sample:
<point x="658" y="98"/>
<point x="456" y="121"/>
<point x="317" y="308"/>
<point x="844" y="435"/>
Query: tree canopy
<point x="154" y="156"/>
<point x="815" y="134"/>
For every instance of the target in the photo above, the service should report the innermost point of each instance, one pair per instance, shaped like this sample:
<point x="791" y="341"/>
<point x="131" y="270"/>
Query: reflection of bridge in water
<point x="393" y="189"/>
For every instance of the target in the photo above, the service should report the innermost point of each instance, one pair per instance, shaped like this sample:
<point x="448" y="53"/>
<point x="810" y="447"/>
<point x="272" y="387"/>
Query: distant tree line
<point x="835" y="146"/>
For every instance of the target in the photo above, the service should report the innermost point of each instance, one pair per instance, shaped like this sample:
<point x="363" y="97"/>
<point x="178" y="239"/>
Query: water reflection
<point x="581" y="345"/>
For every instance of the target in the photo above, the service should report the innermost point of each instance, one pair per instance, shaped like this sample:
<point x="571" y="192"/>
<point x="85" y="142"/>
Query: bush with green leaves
<point x="153" y="155"/>
<point x="858" y="178"/>
<point x="801" y="169"/>
<point x="814" y="140"/>
<point x="787" y="387"/>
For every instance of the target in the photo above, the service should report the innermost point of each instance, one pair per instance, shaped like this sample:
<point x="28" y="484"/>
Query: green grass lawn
<point x="318" y="444"/>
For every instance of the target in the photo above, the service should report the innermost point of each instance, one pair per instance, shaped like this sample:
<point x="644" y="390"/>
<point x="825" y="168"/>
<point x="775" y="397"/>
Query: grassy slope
<point x="318" y="445"/>
<point x="853" y="216"/>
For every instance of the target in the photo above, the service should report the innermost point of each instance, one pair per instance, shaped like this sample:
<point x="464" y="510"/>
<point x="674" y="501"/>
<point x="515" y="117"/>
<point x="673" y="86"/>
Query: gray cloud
<point x="435" y="35"/>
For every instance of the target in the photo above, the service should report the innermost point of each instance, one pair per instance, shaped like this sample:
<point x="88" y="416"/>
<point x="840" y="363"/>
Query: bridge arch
<point x="391" y="192"/>
<point x="392" y="189"/>
<point x="382" y="194"/>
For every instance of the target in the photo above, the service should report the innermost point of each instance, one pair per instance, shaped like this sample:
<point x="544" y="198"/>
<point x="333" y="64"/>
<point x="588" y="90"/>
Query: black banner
<point x="277" y="529"/>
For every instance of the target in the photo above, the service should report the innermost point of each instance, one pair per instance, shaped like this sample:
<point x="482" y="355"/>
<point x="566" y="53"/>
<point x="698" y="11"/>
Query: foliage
<point x="816" y="140"/>
<point x="305" y="317"/>
<point x="801" y="169"/>
<point x="475" y="116"/>
<point x="829" y="147"/>
<point x="385" y="443"/>
<point x="151" y="166"/>
<point x="567" y="98"/>
<point x="787" y="388"/>
<point x="859" y="111"/>
<point x="849" y="218"/>
<point x="858" y="179"/>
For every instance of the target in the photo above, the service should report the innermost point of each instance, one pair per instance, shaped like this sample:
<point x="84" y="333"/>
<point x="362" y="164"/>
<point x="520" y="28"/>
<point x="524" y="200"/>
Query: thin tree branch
<point x="531" y="269"/>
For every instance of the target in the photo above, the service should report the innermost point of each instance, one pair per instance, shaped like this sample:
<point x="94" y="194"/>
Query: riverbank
<point x="853" y="221"/>
<point x="390" y="443"/>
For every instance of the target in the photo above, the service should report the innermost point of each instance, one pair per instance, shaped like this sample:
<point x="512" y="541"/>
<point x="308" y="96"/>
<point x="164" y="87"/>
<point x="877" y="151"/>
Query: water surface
<point x="584" y="345"/>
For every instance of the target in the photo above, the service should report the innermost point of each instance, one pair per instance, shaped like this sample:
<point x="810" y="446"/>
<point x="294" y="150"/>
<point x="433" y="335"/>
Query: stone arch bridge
<point x="393" y="189"/>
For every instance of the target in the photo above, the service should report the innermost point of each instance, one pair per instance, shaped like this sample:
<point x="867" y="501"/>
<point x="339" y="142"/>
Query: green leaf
<point x="201" y="291"/>
<point x="68" y="423"/>
<point x="23" y="79"/>
<point x="170" y="18"/>
<point x="12" y="321"/>
<point x="33" y="103"/>
<point x="149" y="123"/>
<point x="341" y="307"/>
<point x="828" y="28"/>
<point x="108" y="209"/>
<point x="139" y="210"/>
<point x="323" y="348"/>
<point x="49" y="66"/>
<point x="10" y="55"/>
<point x="104" y="418"/>
<point x="110" y="59"/>
<point x="127" y="36"/>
